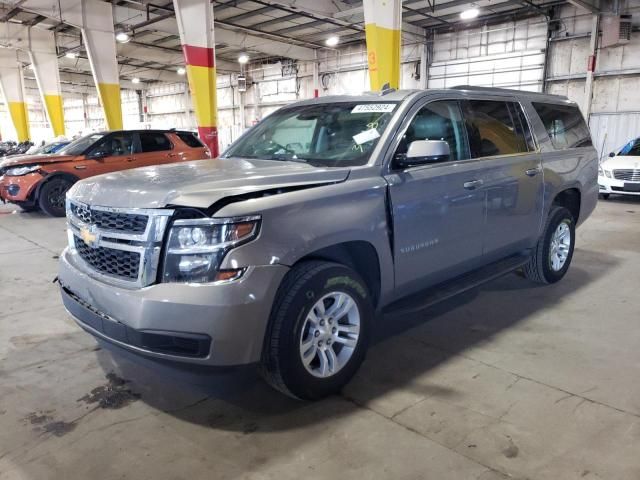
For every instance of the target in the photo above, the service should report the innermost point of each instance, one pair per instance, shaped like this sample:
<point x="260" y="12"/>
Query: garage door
<point x="520" y="70"/>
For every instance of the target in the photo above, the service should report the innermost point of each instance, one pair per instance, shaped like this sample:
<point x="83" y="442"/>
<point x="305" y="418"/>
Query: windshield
<point x="79" y="146"/>
<point x="328" y="135"/>
<point x="631" y="149"/>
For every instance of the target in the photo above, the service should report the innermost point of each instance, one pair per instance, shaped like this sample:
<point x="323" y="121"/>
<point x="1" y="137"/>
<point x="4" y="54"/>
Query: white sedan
<point x="620" y="173"/>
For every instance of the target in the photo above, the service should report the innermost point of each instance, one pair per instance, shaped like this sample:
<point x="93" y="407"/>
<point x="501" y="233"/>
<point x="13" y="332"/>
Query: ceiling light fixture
<point x="332" y="41"/>
<point x="181" y="71"/>
<point x="71" y="55"/>
<point x="135" y="80"/>
<point x="244" y="58"/>
<point x="123" y="37"/>
<point x="469" y="14"/>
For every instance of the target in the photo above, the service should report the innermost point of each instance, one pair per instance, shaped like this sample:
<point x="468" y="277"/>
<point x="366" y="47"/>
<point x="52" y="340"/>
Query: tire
<point x="541" y="267"/>
<point x="605" y="196"/>
<point x="303" y="289"/>
<point x="52" y="196"/>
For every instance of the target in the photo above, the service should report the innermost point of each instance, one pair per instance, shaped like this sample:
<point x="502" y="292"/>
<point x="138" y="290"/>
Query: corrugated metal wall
<point x="615" y="107"/>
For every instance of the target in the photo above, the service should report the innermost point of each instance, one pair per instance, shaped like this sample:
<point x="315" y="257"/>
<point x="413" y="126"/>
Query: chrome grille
<point x="107" y="220"/>
<point x="116" y="245"/>
<point x="110" y="261"/>
<point x="627" y="175"/>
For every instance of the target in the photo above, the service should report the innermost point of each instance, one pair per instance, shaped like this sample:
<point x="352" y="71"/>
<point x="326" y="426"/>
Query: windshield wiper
<point x="286" y="158"/>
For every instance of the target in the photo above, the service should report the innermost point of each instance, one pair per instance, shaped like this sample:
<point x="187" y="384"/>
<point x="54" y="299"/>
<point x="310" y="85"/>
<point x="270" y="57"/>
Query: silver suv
<point x="286" y="249"/>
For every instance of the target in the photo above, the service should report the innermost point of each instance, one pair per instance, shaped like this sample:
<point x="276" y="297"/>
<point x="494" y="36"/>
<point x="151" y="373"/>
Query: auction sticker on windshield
<point x="374" y="108"/>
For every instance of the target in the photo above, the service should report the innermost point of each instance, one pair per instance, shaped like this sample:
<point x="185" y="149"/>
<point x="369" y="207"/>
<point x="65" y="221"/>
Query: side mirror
<point x="612" y="154"/>
<point x="421" y="152"/>
<point x="97" y="155"/>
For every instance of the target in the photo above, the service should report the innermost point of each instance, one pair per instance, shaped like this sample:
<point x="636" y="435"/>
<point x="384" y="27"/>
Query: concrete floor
<point x="512" y="380"/>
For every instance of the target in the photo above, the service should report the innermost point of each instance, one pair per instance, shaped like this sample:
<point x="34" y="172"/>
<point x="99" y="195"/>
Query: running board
<point x="438" y="293"/>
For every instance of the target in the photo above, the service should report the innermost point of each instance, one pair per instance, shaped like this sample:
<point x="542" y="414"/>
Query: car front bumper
<point x="608" y="185"/>
<point x="207" y="324"/>
<point x="18" y="189"/>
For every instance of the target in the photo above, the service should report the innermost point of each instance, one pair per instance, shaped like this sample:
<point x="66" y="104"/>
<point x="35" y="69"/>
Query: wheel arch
<point x="359" y="255"/>
<point x="48" y="178"/>
<point x="571" y="199"/>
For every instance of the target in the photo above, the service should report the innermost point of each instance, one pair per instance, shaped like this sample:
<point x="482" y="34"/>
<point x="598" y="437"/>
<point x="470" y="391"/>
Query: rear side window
<point x="154" y="142"/>
<point x="564" y="124"/>
<point x="494" y="128"/>
<point x="190" y="139"/>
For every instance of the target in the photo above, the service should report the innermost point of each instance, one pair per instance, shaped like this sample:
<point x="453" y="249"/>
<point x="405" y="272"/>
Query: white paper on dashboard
<point x="366" y="136"/>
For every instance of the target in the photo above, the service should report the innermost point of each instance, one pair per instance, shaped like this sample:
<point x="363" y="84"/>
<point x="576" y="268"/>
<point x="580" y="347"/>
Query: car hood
<point x="622" y="162"/>
<point x="16" y="160"/>
<point x="198" y="184"/>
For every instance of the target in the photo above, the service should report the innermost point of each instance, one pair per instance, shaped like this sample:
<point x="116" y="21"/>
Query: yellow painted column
<point x="12" y="85"/>
<point x="382" y="23"/>
<point x="195" y="23"/>
<point x="42" y="51"/>
<point x="99" y="39"/>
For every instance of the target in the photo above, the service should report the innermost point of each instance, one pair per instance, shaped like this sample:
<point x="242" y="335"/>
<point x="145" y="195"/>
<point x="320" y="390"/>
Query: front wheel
<point x="52" y="196"/>
<point x="319" y="330"/>
<point x="605" y="196"/>
<point x="552" y="256"/>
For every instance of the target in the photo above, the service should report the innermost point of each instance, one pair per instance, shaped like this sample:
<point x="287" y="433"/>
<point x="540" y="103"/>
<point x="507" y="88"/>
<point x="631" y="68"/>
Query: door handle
<point x="171" y="155"/>
<point x="130" y="159"/>
<point x="532" y="172"/>
<point x="472" y="184"/>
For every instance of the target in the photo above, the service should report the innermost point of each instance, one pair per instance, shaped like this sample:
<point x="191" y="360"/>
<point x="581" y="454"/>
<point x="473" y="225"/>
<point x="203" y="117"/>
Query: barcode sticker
<point x="374" y="108"/>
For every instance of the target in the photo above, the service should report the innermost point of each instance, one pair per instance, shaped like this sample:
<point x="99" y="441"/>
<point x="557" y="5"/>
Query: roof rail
<point x="511" y="91"/>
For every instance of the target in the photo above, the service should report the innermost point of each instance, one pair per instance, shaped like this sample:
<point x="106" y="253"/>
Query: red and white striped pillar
<point x="195" y="24"/>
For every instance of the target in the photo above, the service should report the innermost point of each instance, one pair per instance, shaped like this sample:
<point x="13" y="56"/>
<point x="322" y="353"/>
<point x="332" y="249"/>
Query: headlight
<point x="196" y="248"/>
<point x="608" y="173"/>
<point x="19" y="171"/>
<point x="600" y="171"/>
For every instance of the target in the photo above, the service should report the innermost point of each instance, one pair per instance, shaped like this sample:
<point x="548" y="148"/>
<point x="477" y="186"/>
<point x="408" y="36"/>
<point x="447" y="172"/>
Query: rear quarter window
<point x="154" y="142"/>
<point x="190" y="139"/>
<point x="564" y="124"/>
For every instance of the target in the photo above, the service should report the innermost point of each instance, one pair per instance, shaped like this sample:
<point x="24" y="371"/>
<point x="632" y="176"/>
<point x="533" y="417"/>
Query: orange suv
<point x="42" y="181"/>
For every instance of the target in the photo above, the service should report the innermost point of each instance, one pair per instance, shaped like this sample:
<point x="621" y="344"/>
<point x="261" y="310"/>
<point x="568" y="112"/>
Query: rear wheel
<point x="52" y="196"/>
<point x="552" y="256"/>
<point x="319" y="330"/>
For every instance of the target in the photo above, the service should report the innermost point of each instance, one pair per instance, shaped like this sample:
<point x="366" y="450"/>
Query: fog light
<point x="13" y="190"/>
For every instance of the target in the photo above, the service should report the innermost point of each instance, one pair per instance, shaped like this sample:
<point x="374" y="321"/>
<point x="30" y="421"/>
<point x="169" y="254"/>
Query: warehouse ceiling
<point x="265" y="30"/>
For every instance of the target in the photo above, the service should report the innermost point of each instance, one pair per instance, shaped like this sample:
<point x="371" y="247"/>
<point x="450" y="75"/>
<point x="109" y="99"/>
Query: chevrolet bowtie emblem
<point x="90" y="236"/>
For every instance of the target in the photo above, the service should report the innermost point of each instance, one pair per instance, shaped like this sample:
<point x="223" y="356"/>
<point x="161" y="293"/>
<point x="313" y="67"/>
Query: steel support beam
<point x="586" y="5"/>
<point x="383" y="20"/>
<point x="195" y="24"/>
<point x="591" y="66"/>
<point x="12" y="85"/>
